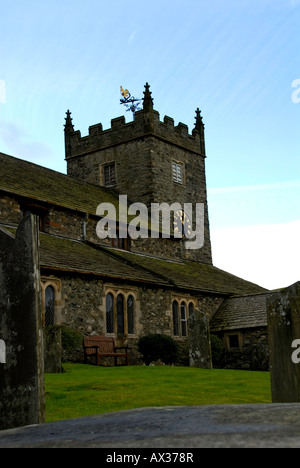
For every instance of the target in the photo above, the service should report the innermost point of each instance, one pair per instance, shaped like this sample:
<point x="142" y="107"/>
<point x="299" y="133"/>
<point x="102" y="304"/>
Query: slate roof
<point x="241" y="312"/>
<point x="35" y="182"/>
<point x="67" y="255"/>
<point x="190" y="275"/>
<point x="74" y="256"/>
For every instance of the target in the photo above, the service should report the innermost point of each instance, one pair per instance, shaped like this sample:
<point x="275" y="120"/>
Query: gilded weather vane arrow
<point x="130" y="102"/>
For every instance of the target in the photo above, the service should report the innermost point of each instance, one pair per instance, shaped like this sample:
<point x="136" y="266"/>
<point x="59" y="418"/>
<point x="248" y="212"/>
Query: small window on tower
<point x="177" y="172"/>
<point x="109" y="175"/>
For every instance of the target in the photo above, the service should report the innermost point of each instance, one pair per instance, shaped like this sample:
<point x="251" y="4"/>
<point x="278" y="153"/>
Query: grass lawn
<point x="85" y="390"/>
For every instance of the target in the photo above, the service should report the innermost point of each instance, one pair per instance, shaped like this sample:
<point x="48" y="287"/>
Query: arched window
<point x="183" y="320"/>
<point x="49" y="306"/>
<point x="120" y="315"/>
<point x="175" y="318"/>
<point x="130" y="315"/>
<point x="109" y="313"/>
<point x="191" y="308"/>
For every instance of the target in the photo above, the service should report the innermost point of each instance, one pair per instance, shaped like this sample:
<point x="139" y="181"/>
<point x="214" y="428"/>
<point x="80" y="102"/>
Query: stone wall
<point x="84" y="308"/>
<point x="22" y="369"/>
<point x="251" y="354"/>
<point x="9" y="210"/>
<point x="83" y="304"/>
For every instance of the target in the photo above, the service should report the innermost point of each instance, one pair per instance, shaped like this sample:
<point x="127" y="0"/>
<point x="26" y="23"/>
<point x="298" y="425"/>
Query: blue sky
<point x="236" y="60"/>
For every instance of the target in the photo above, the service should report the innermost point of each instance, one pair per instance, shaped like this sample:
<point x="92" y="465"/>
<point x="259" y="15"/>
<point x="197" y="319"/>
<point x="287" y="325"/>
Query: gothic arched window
<point x="120" y="315"/>
<point x="109" y="313"/>
<point x="130" y="315"/>
<point x="175" y="318"/>
<point x="49" y="306"/>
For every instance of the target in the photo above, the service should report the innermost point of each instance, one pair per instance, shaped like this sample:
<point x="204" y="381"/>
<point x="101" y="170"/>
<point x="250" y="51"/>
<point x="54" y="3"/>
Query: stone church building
<point x="123" y="286"/>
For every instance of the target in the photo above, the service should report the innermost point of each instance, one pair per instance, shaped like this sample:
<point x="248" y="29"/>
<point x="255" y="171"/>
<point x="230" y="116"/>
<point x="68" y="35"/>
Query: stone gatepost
<point x="283" y="308"/>
<point x="199" y="341"/>
<point x="21" y="342"/>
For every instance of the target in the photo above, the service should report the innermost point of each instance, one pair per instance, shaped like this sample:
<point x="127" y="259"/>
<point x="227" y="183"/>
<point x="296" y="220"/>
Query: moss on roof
<point x="45" y="185"/>
<point x="65" y="254"/>
<point x="75" y="256"/>
<point x="192" y="275"/>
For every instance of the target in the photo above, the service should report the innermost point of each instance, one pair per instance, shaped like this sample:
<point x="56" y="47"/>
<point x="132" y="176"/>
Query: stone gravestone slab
<point x="199" y="341"/>
<point x="21" y="347"/>
<point x="52" y="349"/>
<point x="283" y="308"/>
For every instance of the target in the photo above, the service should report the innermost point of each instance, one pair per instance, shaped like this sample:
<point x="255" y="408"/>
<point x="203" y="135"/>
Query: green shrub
<point x="71" y="344"/>
<point x="154" y="347"/>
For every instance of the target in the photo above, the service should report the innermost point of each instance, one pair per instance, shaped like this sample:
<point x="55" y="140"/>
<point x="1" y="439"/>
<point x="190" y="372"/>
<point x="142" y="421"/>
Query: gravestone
<point x="21" y="356"/>
<point x="199" y="341"/>
<point x="283" y="308"/>
<point x="52" y="349"/>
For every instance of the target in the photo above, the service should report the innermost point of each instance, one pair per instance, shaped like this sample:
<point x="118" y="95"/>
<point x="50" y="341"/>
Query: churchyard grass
<point x="85" y="390"/>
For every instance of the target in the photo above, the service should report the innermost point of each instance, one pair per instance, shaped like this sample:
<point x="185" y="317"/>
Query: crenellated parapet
<point x="146" y="123"/>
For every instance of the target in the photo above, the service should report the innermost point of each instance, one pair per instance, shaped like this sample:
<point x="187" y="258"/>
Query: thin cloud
<point x="131" y="37"/>
<point x="18" y="143"/>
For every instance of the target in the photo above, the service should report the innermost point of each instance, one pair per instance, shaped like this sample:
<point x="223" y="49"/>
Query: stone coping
<point x="218" y="426"/>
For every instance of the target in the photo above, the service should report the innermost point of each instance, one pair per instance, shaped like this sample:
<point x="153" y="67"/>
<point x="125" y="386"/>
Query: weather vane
<point x="130" y="102"/>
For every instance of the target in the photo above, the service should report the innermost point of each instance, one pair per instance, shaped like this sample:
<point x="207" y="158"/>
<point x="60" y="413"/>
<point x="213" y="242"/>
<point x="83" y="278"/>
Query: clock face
<point x="182" y="224"/>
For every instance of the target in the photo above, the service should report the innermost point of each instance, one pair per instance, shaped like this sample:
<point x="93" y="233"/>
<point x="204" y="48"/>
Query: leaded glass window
<point x="49" y="306"/>
<point x="109" y="313"/>
<point x="175" y="318"/>
<point x="183" y="319"/>
<point x="120" y="315"/>
<point x="130" y="315"/>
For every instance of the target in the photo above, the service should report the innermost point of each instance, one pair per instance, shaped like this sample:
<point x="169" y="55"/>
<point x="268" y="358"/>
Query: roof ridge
<point x="128" y="262"/>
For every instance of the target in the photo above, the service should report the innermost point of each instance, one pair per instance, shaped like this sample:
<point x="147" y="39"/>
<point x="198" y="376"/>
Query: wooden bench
<point x="102" y="346"/>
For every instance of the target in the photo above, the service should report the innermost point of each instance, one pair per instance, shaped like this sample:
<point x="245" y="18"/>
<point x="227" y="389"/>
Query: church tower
<point x="149" y="160"/>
